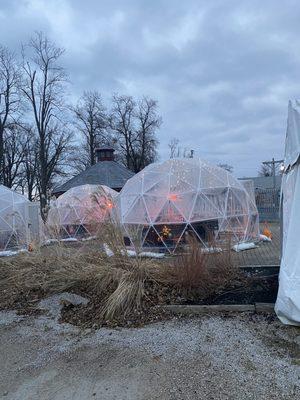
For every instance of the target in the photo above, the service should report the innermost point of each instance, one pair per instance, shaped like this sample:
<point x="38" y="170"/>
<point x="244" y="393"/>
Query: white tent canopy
<point x="288" y="301"/>
<point x="14" y="220"/>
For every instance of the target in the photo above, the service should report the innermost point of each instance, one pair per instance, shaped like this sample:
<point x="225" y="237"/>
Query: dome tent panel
<point x="187" y="195"/>
<point x="182" y="180"/>
<point x="14" y="220"/>
<point x="149" y="180"/>
<point x="135" y="234"/>
<point x="158" y="186"/>
<point x="4" y="219"/>
<point x="127" y="202"/>
<point x="253" y="226"/>
<point x="184" y="203"/>
<point x="237" y="202"/>
<point x="138" y="212"/>
<point x="171" y="234"/>
<point x="205" y="209"/>
<point x="169" y="214"/>
<point x="211" y="179"/>
<point x="79" y="212"/>
<point x="154" y="205"/>
<point x="6" y="202"/>
<point x="134" y="187"/>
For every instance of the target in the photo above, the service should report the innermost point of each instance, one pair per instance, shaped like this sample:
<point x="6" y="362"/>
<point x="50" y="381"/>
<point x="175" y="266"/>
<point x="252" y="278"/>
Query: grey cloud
<point x="221" y="71"/>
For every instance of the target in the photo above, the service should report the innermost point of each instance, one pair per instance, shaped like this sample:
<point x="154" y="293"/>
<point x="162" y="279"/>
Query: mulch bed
<point x="254" y="285"/>
<point x="258" y="285"/>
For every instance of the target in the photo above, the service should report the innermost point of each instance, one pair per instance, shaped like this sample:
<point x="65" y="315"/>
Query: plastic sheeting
<point x="14" y="220"/>
<point x="159" y="205"/>
<point x="288" y="300"/>
<point x="79" y="212"/>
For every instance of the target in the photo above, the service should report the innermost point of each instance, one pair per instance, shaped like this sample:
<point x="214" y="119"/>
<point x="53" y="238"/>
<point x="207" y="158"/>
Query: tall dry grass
<point x="83" y="268"/>
<point x="197" y="273"/>
<point x="120" y="284"/>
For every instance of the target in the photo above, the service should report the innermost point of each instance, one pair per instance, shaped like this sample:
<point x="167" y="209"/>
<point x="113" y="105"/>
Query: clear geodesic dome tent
<point x="79" y="212"/>
<point x="14" y="220"/>
<point x="159" y="205"/>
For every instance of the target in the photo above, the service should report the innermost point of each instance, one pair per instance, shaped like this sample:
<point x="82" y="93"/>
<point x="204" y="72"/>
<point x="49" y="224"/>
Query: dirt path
<point x="237" y="357"/>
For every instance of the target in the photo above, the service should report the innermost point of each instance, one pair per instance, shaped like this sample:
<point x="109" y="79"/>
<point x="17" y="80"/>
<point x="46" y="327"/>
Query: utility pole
<point x="273" y="166"/>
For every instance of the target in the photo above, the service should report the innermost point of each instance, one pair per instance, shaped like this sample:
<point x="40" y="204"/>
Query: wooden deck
<point x="267" y="253"/>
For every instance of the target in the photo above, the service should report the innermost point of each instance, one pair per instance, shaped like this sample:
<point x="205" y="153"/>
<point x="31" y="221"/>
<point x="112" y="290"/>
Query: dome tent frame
<point x="14" y="220"/>
<point x="168" y="199"/>
<point x="77" y="213"/>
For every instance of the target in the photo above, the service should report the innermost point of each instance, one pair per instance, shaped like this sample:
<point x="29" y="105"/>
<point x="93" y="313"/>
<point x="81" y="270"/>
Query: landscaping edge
<point x="215" y="308"/>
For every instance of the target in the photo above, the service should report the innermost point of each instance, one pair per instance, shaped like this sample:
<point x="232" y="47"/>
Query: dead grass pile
<point x="117" y="285"/>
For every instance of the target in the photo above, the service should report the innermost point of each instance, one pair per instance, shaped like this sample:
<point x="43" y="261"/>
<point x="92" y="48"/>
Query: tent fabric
<point x="14" y="220"/>
<point x="292" y="142"/>
<point x="79" y="212"/>
<point x="168" y="199"/>
<point x="288" y="300"/>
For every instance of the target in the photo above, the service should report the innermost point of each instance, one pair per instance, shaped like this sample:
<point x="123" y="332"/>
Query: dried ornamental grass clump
<point x="117" y="285"/>
<point x="198" y="273"/>
<point x="118" y="280"/>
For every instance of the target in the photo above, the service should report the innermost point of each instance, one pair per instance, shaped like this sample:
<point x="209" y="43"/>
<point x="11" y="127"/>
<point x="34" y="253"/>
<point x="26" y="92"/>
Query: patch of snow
<point x="49" y="241"/>
<point x="244" y="246"/>
<point x="133" y="253"/>
<point x="88" y="238"/>
<point x="9" y="253"/>
<point x="150" y="254"/>
<point x="212" y="250"/>
<point x="264" y="238"/>
<point x="107" y="250"/>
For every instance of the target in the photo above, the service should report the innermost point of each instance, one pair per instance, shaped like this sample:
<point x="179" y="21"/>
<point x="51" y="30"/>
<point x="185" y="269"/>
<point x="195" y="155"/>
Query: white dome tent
<point x="77" y="213"/>
<point x="165" y="200"/>
<point x="14" y="220"/>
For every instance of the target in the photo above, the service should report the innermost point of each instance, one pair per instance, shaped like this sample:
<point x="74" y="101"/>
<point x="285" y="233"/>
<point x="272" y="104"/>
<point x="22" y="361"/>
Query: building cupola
<point x="105" y="153"/>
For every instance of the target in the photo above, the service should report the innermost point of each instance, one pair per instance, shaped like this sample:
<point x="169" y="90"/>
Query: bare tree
<point x="265" y="170"/>
<point x="225" y="166"/>
<point x="148" y="122"/>
<point x="174" y="148"/>
<point x="9" y="98"/>
<point x="29" y="169"/>
<point x="122" y="123"/>
<point x="135" y="125"/>
<point x="176" y="151"/>
<point x="14" y="146"/>
<point x="43" y="88"/>
<point x="91" y="121"/>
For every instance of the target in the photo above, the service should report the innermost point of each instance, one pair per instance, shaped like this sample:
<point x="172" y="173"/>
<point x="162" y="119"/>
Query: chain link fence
<point x="268" y="203"/>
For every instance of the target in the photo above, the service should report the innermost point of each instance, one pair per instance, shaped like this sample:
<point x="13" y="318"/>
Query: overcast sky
<point x="222" y="71"/>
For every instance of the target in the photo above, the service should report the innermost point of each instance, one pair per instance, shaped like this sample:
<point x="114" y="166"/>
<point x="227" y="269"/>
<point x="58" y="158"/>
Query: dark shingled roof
<point x="109" y="173"/>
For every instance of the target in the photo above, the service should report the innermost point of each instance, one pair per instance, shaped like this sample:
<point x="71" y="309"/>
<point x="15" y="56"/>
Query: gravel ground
<point x="243" y="356"/>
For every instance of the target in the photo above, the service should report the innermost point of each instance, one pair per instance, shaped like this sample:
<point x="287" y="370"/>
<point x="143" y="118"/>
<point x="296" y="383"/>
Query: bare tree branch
<point x="9" y="98"/>
<point x="92" y="122"/>
<point x="44" y="88"/>
<point x="134" y="125"/>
